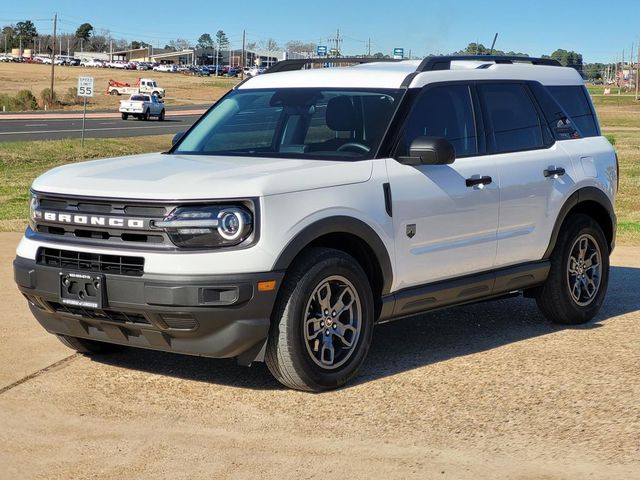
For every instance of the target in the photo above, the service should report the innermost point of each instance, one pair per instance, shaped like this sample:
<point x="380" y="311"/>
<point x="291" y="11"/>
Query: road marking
<point x="36" y="125"/>
<point x="91" y="130"/>
<point x="106" y="123"/>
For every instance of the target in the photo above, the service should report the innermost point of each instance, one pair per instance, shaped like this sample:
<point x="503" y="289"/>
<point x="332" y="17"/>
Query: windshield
<point x="297" y="122"/>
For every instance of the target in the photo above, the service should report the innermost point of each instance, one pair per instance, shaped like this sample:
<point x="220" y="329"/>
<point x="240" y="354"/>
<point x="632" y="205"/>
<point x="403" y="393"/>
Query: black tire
<point x="114" y="92"/>
<point x="147" y="115"/>
<point x="85" y="346"/>
<point x="161" y="116"/>
<point x="125" y="116"/>
<point x="556" y="299"/>
<point x="290" y="356"/>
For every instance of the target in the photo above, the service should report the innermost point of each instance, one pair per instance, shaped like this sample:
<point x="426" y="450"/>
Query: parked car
<point x="305" y="207"/>
<point x="169" y="68"/>
<point x="142" y="107"/>
<point x="92" y="63"/>
<point x="254" y="71"/>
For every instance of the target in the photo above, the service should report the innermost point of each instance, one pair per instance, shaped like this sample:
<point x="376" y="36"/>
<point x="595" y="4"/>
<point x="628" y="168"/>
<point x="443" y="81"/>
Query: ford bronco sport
<point x="309" y="204"/>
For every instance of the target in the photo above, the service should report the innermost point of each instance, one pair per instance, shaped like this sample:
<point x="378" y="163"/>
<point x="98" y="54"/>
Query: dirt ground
<point x="181" y="89"/>
<point x="488" y="391"/>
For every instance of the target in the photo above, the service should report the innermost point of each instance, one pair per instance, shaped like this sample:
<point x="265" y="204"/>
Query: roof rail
<point x="300" y="63"/>
<point x="430" y="64"/>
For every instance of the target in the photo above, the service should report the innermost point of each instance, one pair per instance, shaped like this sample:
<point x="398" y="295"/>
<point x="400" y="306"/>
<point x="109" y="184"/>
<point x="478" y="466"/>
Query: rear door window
<point x="514" y="124"/>
<point x="575" y="101"/>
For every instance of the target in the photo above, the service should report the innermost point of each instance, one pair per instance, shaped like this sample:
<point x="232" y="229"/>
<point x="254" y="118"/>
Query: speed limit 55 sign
<point x="85" y="86"/>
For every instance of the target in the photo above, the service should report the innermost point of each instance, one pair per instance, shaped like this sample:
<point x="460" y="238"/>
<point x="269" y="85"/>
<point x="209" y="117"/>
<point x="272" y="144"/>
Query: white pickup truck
<point x="143" y="107"/>
<point x="142" y="85"/>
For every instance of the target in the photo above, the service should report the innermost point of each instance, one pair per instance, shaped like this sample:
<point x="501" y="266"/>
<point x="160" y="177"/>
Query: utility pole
<point x="53" y="55"/>
<point x="244" y="54"/>
<point x="369" y="49"/>
<point x="621" y="80"/>
<point x="631" y="72"/>
<point x="638" y="72"/>
<point x="67" y="46"/>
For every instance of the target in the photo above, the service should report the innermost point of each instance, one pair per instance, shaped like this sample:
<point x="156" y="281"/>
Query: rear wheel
<point x="114" y="92"/>
<point x="83" y="345"/>
<point x="579" y="275"/>
<point x="323" y="322"/>
<point x="147" y="115"/>
<point x="125" y="116"/>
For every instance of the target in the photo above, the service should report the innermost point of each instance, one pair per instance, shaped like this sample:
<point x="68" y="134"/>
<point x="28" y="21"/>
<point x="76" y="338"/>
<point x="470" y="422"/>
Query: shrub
<point x="25" y="100"/>
<point x="48" y="97"/>
<point x="71" y="97"/>
<point x="611" y="138"/>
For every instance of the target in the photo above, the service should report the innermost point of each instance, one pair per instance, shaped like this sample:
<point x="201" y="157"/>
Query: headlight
<point x="208" y="226"/>
<point x="34" y="213"/>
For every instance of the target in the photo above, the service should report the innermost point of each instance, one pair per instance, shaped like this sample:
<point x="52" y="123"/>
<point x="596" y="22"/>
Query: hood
<point x="157" y="176"/>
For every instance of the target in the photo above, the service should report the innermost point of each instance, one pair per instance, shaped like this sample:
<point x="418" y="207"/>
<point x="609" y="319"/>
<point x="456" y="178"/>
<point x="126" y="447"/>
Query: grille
<point x="104" y="315"/>
<point x="92" y="262"/>
<point x="147" y="237"/>
<point x="179" y="321"/>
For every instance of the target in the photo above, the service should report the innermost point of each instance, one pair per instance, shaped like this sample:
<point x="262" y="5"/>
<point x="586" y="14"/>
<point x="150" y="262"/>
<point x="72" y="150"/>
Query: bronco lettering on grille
<point x="94" y="220"/>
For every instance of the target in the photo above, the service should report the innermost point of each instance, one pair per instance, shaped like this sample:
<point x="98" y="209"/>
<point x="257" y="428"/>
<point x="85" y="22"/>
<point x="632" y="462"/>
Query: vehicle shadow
<point x="405" y="344"/>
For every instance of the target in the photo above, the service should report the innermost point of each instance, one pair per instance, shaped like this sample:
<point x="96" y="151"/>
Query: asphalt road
<point x="58" y="128"/>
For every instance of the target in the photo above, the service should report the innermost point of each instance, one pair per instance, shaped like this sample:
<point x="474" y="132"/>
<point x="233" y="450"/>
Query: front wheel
<point x="161" y="116"/>
<point x="125" y="116"/>
<point x="323" y="322"/>
<point x="579" y="275"/>
<point x="146" y="116"/>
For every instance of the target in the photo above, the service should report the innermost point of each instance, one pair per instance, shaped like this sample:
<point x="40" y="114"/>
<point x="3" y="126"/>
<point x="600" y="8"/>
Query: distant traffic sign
<point x="321" y="51"/>
<point x="398" y="53"/>
<point x="85" y="86"/>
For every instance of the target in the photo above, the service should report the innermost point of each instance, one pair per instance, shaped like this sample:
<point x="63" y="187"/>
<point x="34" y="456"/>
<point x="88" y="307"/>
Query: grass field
<point x="181" y="89"/>
<point x="21" y="162"/>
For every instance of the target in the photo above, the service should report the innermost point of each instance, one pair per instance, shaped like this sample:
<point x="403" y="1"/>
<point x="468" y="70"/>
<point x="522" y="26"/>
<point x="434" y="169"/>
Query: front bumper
<point x="216" y="316"/>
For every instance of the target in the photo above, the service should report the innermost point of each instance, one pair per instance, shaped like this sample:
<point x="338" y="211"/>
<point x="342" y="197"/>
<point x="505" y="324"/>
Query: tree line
<point x="87" y="39"/>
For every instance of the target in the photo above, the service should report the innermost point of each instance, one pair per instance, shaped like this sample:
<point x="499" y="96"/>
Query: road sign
<point x="398" y="53"/>
<point x="321" y="51"/>
<point x="85" y="87"/>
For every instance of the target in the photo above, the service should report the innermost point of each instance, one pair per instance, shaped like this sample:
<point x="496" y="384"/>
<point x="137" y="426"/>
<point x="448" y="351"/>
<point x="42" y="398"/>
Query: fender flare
<point x="339" y="224"/>
<point x="584" y="194"/>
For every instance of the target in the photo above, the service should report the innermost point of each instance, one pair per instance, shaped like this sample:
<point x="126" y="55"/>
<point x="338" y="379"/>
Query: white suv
<point x="307" y="205"/>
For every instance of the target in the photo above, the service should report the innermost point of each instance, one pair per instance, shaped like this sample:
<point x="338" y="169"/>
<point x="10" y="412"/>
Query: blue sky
<point x="597" y="30"/>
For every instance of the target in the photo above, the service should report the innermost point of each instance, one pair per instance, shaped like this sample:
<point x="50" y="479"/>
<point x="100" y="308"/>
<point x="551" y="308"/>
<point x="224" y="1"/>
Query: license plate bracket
<point x="82" y="290"/>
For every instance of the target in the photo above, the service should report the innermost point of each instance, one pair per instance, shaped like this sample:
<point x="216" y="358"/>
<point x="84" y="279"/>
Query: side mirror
<point x="177" y="137"/>
<point x="429" y="151"/>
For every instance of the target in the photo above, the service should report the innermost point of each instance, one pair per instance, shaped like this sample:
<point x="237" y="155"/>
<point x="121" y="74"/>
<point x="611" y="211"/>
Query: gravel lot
<point x="485" y="391"/>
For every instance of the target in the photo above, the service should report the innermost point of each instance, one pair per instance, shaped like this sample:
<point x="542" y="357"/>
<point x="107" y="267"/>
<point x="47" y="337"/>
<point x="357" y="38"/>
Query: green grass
<point x="21" y="162"/>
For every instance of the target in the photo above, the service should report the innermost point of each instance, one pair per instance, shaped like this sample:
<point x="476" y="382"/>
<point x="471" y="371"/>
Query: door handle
<point x="554" y="172"/>
<point x="472" y="182"/>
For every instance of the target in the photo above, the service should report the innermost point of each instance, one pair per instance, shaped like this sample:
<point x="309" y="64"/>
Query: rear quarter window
<point x="576" y="103"/>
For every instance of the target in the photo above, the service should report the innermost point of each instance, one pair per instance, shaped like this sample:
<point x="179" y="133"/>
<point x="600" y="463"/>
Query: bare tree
<point x="269" y="45"/>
